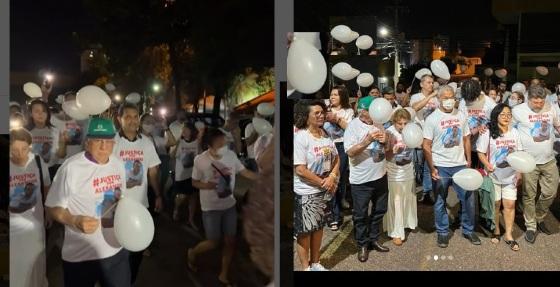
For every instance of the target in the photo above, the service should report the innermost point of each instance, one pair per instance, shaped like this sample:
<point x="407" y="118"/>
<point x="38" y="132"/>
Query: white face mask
<point x="513" y="103"/>
<point x="148" y="128"/>
<point x="448" y="104"/>
<point x="221" y="151"/>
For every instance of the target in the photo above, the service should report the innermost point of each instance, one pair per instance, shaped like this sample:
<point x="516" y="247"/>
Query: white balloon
<point x="355" y="73"/>
<point x="133" y="225"/>
<point x="364" y="80"/>
<point x="32" y="90"/>
<point x="435" y="85"/>
<point x="411" y="111"/>
<point x="543" y="71"/>
<point x="488" y="72"/>
<point x="310" y="37"/>
<point x="380" y="111"/>
<point x="133" y="98"/>
<point x="422" y="72"/>
<point x="289" y="89"/>
<point x="468" y="179"/>
<point x="109" y="87"/>
<point x="307" y="69"/>
<point x="72" y="110"/>
<point x="354" y="35"/>
<point x="501" y="73"/>
<point x="364" y="42"/>
<point x="440" y="69"/>
<point x="92" y="100"/>
<point x="343" y="71"/>
<point x="342" y="33"/>
<point x="412" y="135"/>
<point x="262" y="126"/>
<point x="265" y="109"/>
<point x="518" y="87"/>
<point x="521" y="161"/>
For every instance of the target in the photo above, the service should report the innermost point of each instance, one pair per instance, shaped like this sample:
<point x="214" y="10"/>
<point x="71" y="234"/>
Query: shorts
<point x="184" y="187"/>
<point x="505" y="191"/>
<point x="309" y="213"/>
<point x="220" y="222"/>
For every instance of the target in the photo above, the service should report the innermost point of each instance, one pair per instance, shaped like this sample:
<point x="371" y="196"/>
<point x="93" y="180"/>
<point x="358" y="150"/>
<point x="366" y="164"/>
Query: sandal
<point x="495" y="239"/>
<point x="512" y="244"/>
<point x="190" y="264"/>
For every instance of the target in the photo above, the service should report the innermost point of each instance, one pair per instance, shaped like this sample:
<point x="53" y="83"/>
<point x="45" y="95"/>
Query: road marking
<point x="336" y="242"/>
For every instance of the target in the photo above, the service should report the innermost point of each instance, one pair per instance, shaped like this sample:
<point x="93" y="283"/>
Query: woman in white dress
<point x="401" y="208"/>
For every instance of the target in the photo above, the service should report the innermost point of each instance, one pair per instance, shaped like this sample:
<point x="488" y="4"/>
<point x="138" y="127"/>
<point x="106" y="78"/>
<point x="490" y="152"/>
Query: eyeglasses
<point x="508" y="116"/>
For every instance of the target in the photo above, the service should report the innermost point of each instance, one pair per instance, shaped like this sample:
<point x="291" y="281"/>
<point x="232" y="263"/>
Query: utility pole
<point x="397" y="9"/>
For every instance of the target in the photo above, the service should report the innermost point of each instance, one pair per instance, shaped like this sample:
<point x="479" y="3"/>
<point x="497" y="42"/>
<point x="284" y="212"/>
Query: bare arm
<point x="153" y="179"/>
<point x="249" y="174"/>
<point x="303" y="172"/>
<point x="421" y="104"/>
<point x="85" y="224"/>
<point x="427" y="148"/>
<point x="361" y="146"/>
<point x="467" y="147"/>
<point x="484" y="160"/>
<point x="203" y="185"/>
<point x="252" y="139"/>
<point x="171" y="140"/>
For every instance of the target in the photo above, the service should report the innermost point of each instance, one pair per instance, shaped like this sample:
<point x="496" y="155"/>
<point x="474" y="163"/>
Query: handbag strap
<point x="225" y="178"/>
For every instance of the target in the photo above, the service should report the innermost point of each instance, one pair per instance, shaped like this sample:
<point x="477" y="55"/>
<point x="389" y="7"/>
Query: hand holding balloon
<point x="85" y="224"/>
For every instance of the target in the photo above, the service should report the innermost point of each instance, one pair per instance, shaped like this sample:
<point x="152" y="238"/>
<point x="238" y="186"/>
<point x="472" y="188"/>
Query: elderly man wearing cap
<point x="83" y="184"/>
<point x="364" y="143"/>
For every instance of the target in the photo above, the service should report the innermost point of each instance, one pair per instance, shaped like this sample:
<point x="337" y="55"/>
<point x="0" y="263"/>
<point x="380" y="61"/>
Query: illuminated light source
<point x="163" y="112"/>
<point x="383" y="31"/>
<point x="118" y="98"/>
<point x="15" y="124"/>
<point x="156" y="87"/>
<point x="49" y="76"/>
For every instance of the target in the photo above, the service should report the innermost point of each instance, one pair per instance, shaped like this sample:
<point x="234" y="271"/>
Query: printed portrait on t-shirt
<point x="106" y="208"/>
<point x="500" y="156"/>
<point x="24" y="197"/>
<point x="541" y="131"/>
<point x="333" y="130"/>
<point x="475" y="122"/>
<point x="429" y="109"/>
<point x="451" y="137"/>
<point x="74" y="133"/>
<point x="188" y="159"/>
<point x="42" y="149"/>
<point x="323" y="160"/>
<point x="222" y="176"/>
<point x="377" y="152"/>
<point x="134" y="173"/>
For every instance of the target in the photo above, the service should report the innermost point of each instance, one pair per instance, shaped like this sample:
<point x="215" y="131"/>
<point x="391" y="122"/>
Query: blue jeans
<point x="426" y="174"/>
<point x="466" y="198"/>
<point x="367" y="226"/>
<point x="336" y="201"/>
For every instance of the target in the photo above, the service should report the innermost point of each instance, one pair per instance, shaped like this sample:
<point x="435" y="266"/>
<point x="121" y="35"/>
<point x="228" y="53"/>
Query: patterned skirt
<point x="309" y="213"/>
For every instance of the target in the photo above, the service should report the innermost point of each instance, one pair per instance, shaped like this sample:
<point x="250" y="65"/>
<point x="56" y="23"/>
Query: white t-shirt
<point x="317" y="154"/>
<point x="76" y="133"/>
<point x="160" y="143"/>
<point x="335" y="131"/>
<point x="500" y="148"/>
<point x="138" y="156"/>
<point x="26" y="200"/>
<point x="478" y="114"/>
<point x="260" y="145"/>
<point x="229" y="165"/>
<point x="370" y="164"/>
<point x="429" y="108"/>
<point x="553" y="100"/>
<point x="536" y="130"/>
<point x="446" y="130"/>
<point x="249" y="130"/>
<point x="400" y="167"/>
<point x="186" y="152"/>
<point x="90" y="189"/>
<point x="45" y="144"/>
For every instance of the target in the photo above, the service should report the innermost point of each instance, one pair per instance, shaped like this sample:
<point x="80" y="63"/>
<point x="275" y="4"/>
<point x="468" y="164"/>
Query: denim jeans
<point x="466" y="198"/>
<point x="426" y="174"/>
<point x="367" y="226"/>
<point x="336" y="201"/>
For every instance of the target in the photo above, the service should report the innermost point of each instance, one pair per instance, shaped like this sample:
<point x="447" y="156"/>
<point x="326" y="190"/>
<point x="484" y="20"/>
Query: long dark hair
<point x="301" y="111"/>
<point x="343" y="95"/>
<point x="470" y="90"/>
<point x="495" y="131"/>
<point x="31" y="125"/>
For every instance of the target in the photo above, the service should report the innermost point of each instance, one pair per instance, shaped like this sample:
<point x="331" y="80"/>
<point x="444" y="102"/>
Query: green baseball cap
<point x="364" y="102"/>
<point x="101" y="128"/>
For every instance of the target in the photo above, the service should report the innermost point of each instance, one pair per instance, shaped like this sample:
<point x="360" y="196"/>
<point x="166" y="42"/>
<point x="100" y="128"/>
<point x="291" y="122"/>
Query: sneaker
<point x="442" y="240"/>
<point x="530" y="236"/>
<point x="473" y="238"/>
<point x="307" y="269"/>
<point x="318" y="267"/>
<point x="542" y="228"/>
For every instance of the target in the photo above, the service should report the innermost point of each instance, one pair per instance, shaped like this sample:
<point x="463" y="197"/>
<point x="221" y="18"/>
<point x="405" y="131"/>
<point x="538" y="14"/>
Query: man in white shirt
<point x="141" y="163"/>
<point x="90" y="251"/>
<point x="535" y="120"/>
<point x="424" y="103"/>
<point x="364" y="142"/>
<point x="447" y="149"/>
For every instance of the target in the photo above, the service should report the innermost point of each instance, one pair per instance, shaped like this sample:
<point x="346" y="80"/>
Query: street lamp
<point x="49" y="77"/>
<point x="118" y="97"/>
<point x="383" y="31"/>
<point x="156" y="87"/>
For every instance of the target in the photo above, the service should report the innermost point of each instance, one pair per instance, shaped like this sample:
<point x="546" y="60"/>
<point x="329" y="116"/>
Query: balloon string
<point x="110" y="208"/>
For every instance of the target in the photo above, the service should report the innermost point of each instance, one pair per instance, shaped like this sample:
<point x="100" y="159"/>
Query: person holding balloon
<point x="91" y="253"/>
<point x="364" y="142"/>
<point x="339" y="115"/>
<point x="531" y="117"/>
<point x="493" y="147"/>
<point x="142" y="165"/>
<point x="445" y="161"/>
<point x="401" y="211"/>
<point x="213" y="174"/>
<point x="424" y="103"/>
